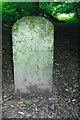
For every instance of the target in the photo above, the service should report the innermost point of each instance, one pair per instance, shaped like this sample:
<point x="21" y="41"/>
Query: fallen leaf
<point x="36" y="109"/>
<point x="23" y="105"/>
<point x="73" y="100"/>
<point x="21" y="113"/>
<point x="66" y="90"/>
<point x="12" y="105"/>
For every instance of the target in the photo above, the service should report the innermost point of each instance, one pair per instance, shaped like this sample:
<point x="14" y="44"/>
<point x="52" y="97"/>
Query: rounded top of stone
<point x="31" y="22"/>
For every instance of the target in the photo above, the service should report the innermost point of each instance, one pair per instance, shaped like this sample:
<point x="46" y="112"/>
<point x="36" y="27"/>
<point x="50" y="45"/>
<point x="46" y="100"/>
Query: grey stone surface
<point x="33" y="39"/>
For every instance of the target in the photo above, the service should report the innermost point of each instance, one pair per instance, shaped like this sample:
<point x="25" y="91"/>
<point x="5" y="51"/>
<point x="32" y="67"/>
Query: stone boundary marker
<point x="33" y="39"/>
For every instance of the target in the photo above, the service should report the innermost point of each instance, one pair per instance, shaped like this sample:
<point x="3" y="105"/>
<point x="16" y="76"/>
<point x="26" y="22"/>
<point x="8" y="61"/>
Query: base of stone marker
<point x="35" y="90"/>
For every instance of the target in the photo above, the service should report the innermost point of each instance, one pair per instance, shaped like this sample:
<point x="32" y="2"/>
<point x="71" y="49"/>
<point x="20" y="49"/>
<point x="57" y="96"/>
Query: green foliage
<point x="12" y="11"/>
<point x="24" y="102"/>
<point x="55" y="7"/>
<point x="48" y="7"/>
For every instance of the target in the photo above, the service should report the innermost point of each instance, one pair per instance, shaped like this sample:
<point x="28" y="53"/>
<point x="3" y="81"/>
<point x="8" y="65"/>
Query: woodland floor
<point x="64" y="102"/>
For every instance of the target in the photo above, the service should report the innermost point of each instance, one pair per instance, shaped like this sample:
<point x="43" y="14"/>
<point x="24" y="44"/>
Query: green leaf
<point x="24" y="102"/>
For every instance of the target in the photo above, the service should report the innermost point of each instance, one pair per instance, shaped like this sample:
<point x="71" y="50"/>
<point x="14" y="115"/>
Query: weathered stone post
<point x="33" y="55"/>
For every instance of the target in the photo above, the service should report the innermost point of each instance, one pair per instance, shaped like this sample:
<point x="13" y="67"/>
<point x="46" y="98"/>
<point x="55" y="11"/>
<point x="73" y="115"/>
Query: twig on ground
<point x="5" y="100"/>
